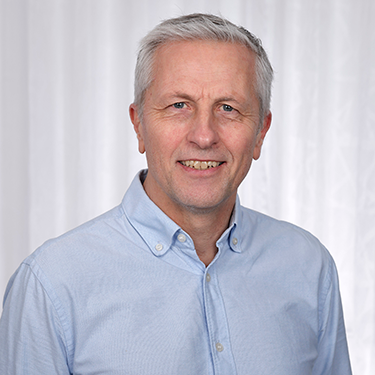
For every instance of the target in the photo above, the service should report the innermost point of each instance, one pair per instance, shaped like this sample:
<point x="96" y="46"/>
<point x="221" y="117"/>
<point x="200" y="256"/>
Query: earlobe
<point x="261" y="135"/>
<point x="134" y="117"/>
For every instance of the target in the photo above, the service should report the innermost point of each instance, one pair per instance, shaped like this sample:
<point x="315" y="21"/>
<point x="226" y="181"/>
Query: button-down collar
<point x="152" y="224"/>
<point x="159" y="231"/>
<point x="233" y="233"/>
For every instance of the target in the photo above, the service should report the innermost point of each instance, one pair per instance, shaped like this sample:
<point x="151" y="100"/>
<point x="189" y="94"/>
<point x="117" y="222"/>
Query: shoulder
<point x="98" y="228"/>
<point x="288" y="255"/>
<point x="281" y="239"/>
<point x="84" y="248"/>
<point x="83" y="259"/>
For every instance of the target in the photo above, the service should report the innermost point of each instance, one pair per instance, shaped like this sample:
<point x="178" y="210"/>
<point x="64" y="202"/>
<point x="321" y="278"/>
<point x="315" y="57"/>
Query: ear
<point x="134" y="116"/>
<point x="261" y="135"/>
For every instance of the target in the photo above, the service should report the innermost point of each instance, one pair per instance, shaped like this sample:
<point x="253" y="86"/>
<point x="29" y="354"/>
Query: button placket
<point x="216" y="324"/>
<point x="212" y="327"/>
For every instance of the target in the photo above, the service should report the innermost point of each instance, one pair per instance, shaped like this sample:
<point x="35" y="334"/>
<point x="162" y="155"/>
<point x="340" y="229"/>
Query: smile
<point x="195" y="164"/>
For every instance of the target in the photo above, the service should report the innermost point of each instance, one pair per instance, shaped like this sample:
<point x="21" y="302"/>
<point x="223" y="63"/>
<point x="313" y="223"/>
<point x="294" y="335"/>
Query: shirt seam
<point x="60" y="318"/>
<point x="324" y="293"/>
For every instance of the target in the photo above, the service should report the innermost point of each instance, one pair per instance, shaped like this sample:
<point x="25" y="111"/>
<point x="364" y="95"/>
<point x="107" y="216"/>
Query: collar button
<point x="181" y="237"/>
<point x="159" y="247"/>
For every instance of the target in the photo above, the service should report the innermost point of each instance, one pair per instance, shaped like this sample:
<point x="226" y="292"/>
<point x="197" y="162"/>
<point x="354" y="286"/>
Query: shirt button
<point x="181" y="237"/>
<point x="219" y="347"/>
<point x="208" y="277"/>
<point x="159" y="247"/>
<point x="234" y="241"/>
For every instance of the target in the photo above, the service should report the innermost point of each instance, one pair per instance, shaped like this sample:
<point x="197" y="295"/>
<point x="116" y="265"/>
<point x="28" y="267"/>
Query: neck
<point x="204" y="225"/>
<point x="205" y="233"/>
<point x="205" y="228"/>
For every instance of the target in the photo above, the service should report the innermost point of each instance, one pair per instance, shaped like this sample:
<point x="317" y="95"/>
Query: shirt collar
<point x="232" y="234"/>
<point x="157" y="229"/>
<point x="152" y="224"/>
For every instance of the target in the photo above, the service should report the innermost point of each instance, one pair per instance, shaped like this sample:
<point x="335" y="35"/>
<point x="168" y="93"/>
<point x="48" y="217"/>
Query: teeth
<point x="200" y="164"/>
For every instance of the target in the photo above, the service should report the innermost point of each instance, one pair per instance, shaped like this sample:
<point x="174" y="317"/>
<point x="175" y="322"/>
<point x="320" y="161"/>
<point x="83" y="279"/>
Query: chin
<point x="203" y="203"/>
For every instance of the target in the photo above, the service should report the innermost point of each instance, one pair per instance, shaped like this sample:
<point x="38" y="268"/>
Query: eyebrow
<point x="227" y="99"/>
<point x="182" y="95"/>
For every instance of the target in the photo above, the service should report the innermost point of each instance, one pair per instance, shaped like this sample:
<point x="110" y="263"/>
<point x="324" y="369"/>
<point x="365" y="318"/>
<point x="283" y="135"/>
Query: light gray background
<point x="68" y="150"/>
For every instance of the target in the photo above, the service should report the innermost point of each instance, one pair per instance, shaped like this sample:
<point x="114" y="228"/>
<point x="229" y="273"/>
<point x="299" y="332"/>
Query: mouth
<point x="200" y="165"/>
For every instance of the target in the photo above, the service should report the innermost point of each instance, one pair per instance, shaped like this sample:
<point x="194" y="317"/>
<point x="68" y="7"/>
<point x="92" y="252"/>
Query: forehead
<point x="186" y="52"/>
<point x="204" y="66"/>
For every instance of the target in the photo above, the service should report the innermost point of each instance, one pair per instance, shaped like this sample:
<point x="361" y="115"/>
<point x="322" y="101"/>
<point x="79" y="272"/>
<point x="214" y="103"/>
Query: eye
<point x="227" y="108"/>
<point x="179" y="105"/>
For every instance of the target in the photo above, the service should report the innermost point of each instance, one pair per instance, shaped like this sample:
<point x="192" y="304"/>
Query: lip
<point x="201" y="166"/>
<point x="197" y="164"/>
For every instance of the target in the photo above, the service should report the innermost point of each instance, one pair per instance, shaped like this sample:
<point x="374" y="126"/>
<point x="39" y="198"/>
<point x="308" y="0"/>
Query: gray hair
<point x="201" y="27"/>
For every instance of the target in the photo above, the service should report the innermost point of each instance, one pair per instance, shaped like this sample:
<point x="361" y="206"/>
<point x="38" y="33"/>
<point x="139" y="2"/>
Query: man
<point x="180" y="278"/>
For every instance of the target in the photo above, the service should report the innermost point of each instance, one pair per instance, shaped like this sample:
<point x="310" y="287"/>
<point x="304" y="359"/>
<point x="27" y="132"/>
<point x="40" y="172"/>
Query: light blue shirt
<point x="126" y="293"/>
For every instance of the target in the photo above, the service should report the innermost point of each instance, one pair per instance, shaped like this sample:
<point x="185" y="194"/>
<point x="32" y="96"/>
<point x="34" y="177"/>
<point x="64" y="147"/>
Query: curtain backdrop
<point x="68" y="151"/>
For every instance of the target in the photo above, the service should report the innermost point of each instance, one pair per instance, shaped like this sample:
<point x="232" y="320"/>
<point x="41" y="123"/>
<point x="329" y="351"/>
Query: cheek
<point x="241" y="145"/>
<point x="161" y="142"/>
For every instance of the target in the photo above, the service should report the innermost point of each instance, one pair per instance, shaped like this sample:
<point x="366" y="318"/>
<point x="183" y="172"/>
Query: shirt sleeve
<point x="333" y="356"/>
<point x="31" y="335"/>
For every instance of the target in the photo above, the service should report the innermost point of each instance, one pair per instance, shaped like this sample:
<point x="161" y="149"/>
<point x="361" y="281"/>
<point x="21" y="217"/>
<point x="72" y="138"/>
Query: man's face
<point x="200" y="125"/>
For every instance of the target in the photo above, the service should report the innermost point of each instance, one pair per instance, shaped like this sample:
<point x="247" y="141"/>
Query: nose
<point x="203" y="129"/>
